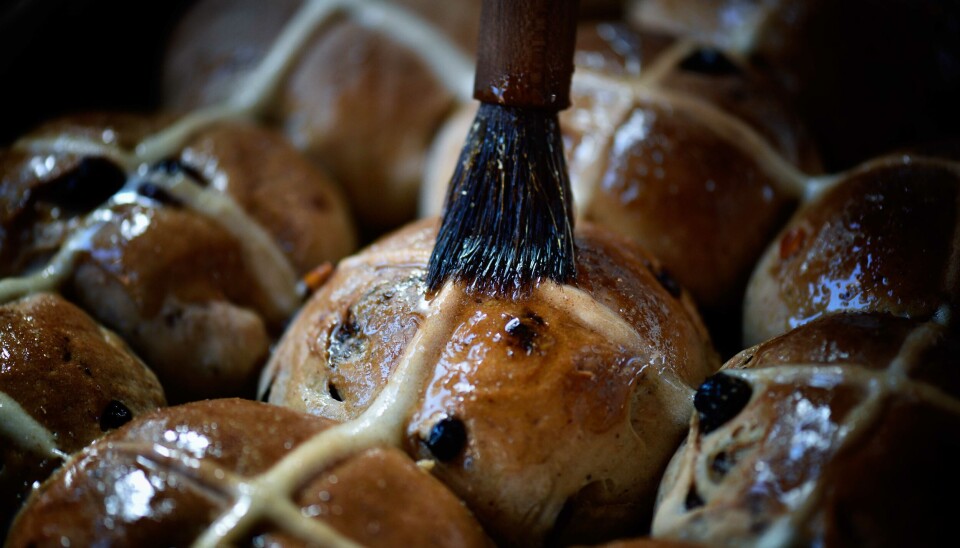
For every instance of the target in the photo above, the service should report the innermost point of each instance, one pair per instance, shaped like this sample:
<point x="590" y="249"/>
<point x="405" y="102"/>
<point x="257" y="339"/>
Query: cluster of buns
<point x="207" y="256"/>
<point x="193" y="259"/>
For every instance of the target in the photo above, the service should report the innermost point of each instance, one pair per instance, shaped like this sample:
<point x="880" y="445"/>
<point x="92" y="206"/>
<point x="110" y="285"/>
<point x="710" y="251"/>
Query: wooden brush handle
<point x="526" y="53"/>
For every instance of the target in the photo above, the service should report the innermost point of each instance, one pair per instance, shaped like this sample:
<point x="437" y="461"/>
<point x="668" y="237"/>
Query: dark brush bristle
<point x="508" y="218"/>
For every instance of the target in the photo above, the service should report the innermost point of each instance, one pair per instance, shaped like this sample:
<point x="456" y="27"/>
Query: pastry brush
<point x="508" y="215"/>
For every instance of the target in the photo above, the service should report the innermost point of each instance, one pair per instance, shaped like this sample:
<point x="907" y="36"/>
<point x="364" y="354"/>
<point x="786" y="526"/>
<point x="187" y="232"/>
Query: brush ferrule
<point x="527" y="54"/>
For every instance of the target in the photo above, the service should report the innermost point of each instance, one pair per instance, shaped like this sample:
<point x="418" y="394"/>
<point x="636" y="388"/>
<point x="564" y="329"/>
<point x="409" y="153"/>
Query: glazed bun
<point x="709" y="148"/>
<point x="842" y="432"/>
<point x="868" y="76"/>
<point x="64" y="381"/>
<point x="880" y="238"/>
<point x="684" y="149"/>
<point x="731" y="24"/>
<point x="550" y="414"/>
<point x="193" y="259"/>
<point x="357" y="98"/>
<point x="173" y="477"/>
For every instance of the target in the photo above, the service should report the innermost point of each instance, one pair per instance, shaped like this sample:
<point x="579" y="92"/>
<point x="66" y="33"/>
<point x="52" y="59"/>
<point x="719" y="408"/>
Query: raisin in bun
<point x="194" y="259"/>
<point x="360" y="96"/>
<point x="64" y="381"/>
<point x="550" y="413"/>
<point x="684" y="149"/>
<point x="868" y="75"/>
<point x="880" y="238"/>
<point x="237" y="472"/>
<point x="843" y="432"/>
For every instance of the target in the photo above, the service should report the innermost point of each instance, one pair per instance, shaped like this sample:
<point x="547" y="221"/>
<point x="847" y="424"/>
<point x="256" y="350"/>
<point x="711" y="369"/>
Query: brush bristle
<point x="508" y="218"/>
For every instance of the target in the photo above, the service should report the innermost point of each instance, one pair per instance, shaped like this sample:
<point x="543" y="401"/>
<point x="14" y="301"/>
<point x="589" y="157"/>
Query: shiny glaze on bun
<point x="842" y="432"/>
<point x="64" y="381"/>
<point x="882" y="238"/>
<point x="549" y="413"/>
<point x="193" y="259"/>
<point x="168" y="477"/>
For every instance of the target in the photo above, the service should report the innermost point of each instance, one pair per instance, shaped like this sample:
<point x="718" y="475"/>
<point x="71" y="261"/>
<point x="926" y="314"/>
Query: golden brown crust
<point x="704" y="22"/>
<point x="16" y="185"/>
<point x="214" y="44"/>
<point x="697" y="201"/>
<point x="604" y="364"/>
<point x="846" y="440"/>
<point x="842" y="69"/>
<point x="747" y="94"/>
<point x="198" y="348"/>
<point x="367" y="130"/>
<point x="53" y="349"/>
<point x="33" y="222"/>
<point x="883" y="239"/>
<point x="116" y="130"/>
<point x="666" y="163"/>
<point x="867" y="339"/>
<point x="188" y="304"/>
<point x="356" y="101"/>
<point x="64" y="371"/>
<point x="612" y="47"/>
<point x="377" y="510"/>
<point x="890" y="488"/>
<point x="686" y="150"/>
<point x="294" y="200"/>
<point x="164" y="478"/>
<point x="714" y="75"/>
<point x="174" y="282"/>
<point x="202" y="264"/>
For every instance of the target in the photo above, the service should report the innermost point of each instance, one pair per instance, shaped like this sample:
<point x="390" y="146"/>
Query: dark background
<point x="883" y="74"/>
<point x="58" y="56"/>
